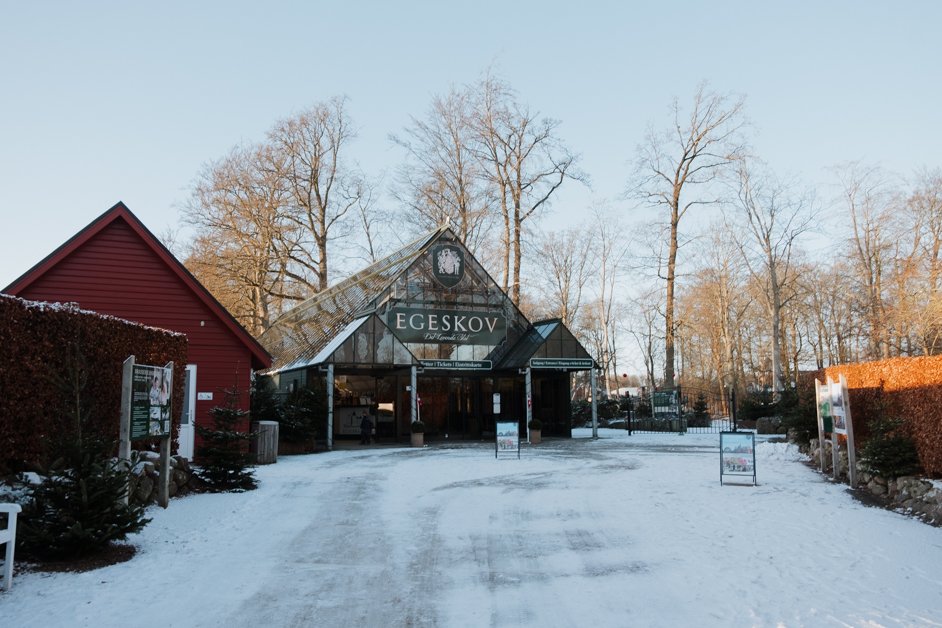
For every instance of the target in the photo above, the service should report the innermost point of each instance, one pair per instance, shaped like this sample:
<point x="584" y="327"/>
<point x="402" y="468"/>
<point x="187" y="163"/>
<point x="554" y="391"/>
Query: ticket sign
<point x="151" y="391"/>
<point x="738" y="454"/>
<point x="508" y="439"/>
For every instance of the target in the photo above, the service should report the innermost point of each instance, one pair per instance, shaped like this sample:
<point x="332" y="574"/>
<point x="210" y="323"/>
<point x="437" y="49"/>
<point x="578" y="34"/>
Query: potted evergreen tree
<point x="536" y="431"/>
<point x="418" y="434"/>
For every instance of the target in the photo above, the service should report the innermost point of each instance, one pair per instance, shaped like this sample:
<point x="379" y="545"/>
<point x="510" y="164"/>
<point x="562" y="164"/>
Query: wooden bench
<point x="8" y="536"/>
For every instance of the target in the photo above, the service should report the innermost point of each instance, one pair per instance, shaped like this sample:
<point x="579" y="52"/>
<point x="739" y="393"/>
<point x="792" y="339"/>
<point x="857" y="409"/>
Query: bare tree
<point x="526" y="163"/>
<point x="564" y="269"/>
<point x="642" y="325"/>
<point x="442" y="177"/>
<point x="610" y="253"/>
<point x="870" y="201"/>
<point x="239" y="250"/>
<point x="925" y="205"/>
<point x="675" y="167"/>
<point x="321" y="187"/>
<point x="775" y="218"/>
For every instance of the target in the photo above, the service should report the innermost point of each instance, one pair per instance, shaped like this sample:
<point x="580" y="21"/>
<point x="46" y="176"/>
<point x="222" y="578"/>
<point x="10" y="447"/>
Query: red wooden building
<point x="116" y="266"/>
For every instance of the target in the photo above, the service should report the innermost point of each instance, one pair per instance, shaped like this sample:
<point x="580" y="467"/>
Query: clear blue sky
<point x="109" y="101"/>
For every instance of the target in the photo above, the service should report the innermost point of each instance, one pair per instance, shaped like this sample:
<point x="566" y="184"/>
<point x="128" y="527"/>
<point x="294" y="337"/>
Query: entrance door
<point x="188" y="416"/>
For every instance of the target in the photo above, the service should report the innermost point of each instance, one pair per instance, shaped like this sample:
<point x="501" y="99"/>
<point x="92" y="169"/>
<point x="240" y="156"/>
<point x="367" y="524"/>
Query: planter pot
<point x="536" y="437"/>
<point x="418" y="439"/>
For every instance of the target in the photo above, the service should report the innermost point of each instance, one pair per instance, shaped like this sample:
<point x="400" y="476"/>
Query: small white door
<point x="188" y="416"/>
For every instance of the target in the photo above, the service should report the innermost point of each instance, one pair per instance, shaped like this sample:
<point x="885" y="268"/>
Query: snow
<point x="620" y="531"/>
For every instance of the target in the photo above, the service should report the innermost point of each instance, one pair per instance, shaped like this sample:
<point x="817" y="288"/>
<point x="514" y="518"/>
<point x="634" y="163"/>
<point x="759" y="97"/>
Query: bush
<point x="799" y="415"/>
<point x="889" y="453"/>
<point x="264" y="400"/>
<point x="418" y="427"/>
<point x="535" y="424"/>
<point x="581" y="411"/>
<point x="301" y="416"/>
<point x="607" y="409"/>
<point x="755" y="405"/>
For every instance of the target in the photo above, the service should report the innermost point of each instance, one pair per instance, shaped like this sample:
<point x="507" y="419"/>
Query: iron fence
<point x="683" y="410"/>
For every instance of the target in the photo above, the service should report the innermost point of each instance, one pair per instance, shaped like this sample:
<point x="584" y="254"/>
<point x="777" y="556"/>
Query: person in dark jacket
<point x="366" y="430"/>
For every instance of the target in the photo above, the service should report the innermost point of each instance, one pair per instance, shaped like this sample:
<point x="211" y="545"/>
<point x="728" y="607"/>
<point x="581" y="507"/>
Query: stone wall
<point x="146" y="472"/>
<point x="916" y="496"/>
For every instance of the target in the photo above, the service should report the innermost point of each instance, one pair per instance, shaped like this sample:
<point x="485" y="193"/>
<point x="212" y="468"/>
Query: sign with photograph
<point x="824" y="407"/>
<point x="838" y="405"/>
<point x="151" y="391"/>
<point x="508" y="438"/>
<point x="738" y="454"/>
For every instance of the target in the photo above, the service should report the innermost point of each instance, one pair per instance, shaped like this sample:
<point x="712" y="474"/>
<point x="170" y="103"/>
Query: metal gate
<point x="682" y="410"/>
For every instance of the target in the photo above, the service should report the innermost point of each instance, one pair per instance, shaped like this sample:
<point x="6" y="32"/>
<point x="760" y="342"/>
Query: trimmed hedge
<point x="40" y="343"/>
<point x="908" y="389"/>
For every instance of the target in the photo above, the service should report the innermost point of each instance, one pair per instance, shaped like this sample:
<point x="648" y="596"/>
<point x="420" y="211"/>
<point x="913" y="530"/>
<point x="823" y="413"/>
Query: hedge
<point x="40" y="344"/>
<point x="909" y="389"/>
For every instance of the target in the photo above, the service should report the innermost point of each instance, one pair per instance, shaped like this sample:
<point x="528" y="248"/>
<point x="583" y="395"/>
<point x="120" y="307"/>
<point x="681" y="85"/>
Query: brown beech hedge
<point x="42" y="344"/>
<point x="909" y="389"/>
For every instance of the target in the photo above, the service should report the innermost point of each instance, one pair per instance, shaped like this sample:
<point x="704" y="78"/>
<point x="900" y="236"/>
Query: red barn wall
<point x="116" y="273"/>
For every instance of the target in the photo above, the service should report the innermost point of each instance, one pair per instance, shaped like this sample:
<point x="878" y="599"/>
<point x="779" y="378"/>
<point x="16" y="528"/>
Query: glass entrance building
<point x="426" y="334"/>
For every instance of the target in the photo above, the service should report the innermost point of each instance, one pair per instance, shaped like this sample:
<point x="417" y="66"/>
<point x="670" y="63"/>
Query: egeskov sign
<point x="447" y="264"/>
<point x="465" y="327"/>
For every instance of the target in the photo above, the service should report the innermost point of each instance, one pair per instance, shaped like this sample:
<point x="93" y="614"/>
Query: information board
<point x="508" y="439"/>
<point x="151" y="391"/>
<point x="738" y="454"/>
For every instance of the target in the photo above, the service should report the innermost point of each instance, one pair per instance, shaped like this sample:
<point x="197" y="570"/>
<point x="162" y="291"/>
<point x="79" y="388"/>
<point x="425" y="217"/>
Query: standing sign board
<point x="151" y="388"/>
<point x="738" y="454"/>
<point x="834" y="417"/>
<point x="508" y="439"/>
<point x="145" y="412"/>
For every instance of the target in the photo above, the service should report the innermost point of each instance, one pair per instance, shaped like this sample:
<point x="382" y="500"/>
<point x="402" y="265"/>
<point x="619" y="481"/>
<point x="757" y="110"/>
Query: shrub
<point x="889" y="453"/>
<point x="301" y="416"/>
<point x="755" y="405"/>
<point x="264" y="400"/>
<point x="535" y="424"/>
<point x="799" y="415"/>
<point x="418" y="427"/>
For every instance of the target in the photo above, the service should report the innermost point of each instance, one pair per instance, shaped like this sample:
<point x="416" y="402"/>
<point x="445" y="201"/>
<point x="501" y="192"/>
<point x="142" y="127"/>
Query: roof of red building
<point x="120" y="212"/>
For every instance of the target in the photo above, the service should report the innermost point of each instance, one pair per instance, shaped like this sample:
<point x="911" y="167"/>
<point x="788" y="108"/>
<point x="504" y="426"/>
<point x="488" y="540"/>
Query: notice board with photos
<point x="508" y="439"/>
<point x="151" y="392"/>
<point x="738" y="455"/>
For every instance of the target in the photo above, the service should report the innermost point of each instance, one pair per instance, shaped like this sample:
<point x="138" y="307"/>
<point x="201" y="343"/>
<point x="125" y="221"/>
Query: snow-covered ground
<point x="619" y="531"/>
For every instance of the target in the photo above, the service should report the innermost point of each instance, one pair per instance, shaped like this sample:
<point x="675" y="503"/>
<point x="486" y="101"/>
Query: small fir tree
<point x="78" y="508"/>
<point x="701" y="412"/>
<point x="226" y="464"/>
<point x="890" y="453"/>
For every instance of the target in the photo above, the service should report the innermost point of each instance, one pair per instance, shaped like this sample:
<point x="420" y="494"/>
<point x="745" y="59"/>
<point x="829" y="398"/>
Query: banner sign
<point x="151" y="390"/>
<point x="508" y="438"/>
<point x="560" y="363"/>
<point x="463" y="327"/>
<point x="458" y="365"/>
<point x="738" y="454"/>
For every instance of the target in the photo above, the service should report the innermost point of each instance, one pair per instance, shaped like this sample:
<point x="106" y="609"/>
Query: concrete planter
<point x="418" y="439"/>
<point x="536" y="436"/>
